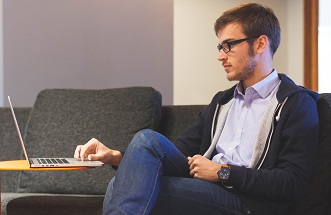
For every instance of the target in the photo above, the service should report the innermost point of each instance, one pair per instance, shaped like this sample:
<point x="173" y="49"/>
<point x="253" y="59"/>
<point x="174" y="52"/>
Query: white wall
<point x="324" y="46"/>
<point x="1" y="57"/>
<point x="197" y="73"/>
<point x="86" y="44"/>
<point x="295" y="41"/>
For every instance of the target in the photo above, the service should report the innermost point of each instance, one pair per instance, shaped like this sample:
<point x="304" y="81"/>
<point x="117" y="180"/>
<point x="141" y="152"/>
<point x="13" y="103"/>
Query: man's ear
<point x="261" y="44"/>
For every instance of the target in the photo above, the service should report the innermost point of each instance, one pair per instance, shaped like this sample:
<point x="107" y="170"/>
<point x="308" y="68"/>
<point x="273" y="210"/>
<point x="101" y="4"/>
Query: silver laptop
<point x="50" y="162"/>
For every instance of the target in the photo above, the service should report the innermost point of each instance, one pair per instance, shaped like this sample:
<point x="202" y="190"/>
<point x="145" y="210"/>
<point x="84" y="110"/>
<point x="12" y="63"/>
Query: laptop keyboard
<point x="52" y="161"/>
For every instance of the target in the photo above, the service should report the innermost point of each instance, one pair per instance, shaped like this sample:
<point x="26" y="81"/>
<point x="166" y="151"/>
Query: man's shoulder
<point x="288" y="89"/>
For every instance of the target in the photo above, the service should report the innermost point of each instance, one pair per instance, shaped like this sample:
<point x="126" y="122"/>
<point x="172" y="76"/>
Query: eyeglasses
<point x="226" y="46"/>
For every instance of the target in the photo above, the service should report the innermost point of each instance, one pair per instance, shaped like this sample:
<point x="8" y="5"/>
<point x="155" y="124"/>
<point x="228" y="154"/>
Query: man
<point x="250" y="150"/>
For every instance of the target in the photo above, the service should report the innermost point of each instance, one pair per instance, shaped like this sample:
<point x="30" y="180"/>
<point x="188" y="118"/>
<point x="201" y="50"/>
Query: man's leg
<point x="180" y="196"/>
<point x="137" y="184"/>
<point x="154" y="172"/>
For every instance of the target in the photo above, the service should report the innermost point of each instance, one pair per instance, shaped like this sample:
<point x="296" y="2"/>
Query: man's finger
<point x="77" y="151"/>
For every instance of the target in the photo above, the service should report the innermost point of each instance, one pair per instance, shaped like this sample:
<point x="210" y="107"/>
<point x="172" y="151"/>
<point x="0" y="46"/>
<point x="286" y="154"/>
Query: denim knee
<point x="143" y="133"/>
<point x="146" y="141"/>
<point x="143" y="136"/>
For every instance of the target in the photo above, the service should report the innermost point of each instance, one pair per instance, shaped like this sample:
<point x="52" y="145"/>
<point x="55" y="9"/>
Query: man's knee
<point x="148" y="139"/>
<point x="144" y="136"/>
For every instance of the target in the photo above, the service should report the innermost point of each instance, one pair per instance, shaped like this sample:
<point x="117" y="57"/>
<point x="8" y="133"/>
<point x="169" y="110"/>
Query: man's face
<point x="239" y="63"/>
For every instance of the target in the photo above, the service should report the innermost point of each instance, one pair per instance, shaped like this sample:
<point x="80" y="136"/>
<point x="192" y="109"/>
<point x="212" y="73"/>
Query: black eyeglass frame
<point x="231" y="43"/>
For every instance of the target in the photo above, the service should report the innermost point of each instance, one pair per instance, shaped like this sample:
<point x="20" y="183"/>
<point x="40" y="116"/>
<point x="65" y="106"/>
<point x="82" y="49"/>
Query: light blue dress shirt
<point x="236" y="142"/>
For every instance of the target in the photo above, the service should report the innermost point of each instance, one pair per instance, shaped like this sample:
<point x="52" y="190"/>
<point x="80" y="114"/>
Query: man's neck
<point x="255" y="78"/>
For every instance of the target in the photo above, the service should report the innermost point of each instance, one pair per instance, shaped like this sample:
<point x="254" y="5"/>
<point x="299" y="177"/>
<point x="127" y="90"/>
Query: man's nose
<point x="222" y="56"/>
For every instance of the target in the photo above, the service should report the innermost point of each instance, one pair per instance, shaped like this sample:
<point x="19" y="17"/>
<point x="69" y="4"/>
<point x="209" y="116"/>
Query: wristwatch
<point x="224" y="173"/>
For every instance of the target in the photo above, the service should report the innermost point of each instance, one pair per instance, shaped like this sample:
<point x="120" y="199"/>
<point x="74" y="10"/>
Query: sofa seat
<point x="51" y="204"/>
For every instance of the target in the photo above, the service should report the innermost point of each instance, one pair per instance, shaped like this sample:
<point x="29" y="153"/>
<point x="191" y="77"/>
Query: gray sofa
<point x="63" y="118"/>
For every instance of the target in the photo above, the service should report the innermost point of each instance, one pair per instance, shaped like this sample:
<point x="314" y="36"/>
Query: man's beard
<point x="250" y="65"/>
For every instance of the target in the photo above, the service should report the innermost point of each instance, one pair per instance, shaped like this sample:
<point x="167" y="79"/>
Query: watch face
<point x="224" y="173"/>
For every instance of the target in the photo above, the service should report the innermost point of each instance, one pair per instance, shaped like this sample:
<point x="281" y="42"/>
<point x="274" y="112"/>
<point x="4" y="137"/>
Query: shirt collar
<point x="263" y="87"/>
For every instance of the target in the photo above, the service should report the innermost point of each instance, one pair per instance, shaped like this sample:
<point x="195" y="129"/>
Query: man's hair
<point x="255" y="19"/>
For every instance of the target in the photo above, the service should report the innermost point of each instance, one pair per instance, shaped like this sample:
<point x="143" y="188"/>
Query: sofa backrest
<point x="61" y="119"/>
<point x="176" y="118"/>
<point x="10" y="147"/>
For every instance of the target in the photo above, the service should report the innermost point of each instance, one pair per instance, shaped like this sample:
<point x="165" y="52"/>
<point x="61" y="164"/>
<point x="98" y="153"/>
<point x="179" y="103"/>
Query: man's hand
<point x="203" y="168"/>
<point x="95" y="150"/>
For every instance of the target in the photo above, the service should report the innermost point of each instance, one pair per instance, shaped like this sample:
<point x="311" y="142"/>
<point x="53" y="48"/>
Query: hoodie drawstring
<point x="280" y="109"/>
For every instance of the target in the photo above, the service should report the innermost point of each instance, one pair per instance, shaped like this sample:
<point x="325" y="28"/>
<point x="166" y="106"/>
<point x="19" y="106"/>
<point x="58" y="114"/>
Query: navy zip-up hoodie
<point x="282" y="171"/>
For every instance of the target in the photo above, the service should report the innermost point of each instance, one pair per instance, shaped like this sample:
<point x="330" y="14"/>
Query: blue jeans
<point x="153" y="178"/>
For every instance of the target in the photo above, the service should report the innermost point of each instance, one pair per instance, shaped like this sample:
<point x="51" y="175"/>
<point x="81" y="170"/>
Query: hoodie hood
<point x="288" y="88"/>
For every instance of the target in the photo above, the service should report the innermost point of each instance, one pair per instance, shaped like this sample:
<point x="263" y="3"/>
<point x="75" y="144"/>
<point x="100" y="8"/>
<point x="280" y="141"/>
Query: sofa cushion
<point x="61" y="119"/>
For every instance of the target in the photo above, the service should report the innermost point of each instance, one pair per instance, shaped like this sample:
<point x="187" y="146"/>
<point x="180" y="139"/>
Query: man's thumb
<point x="93" y="157"/>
